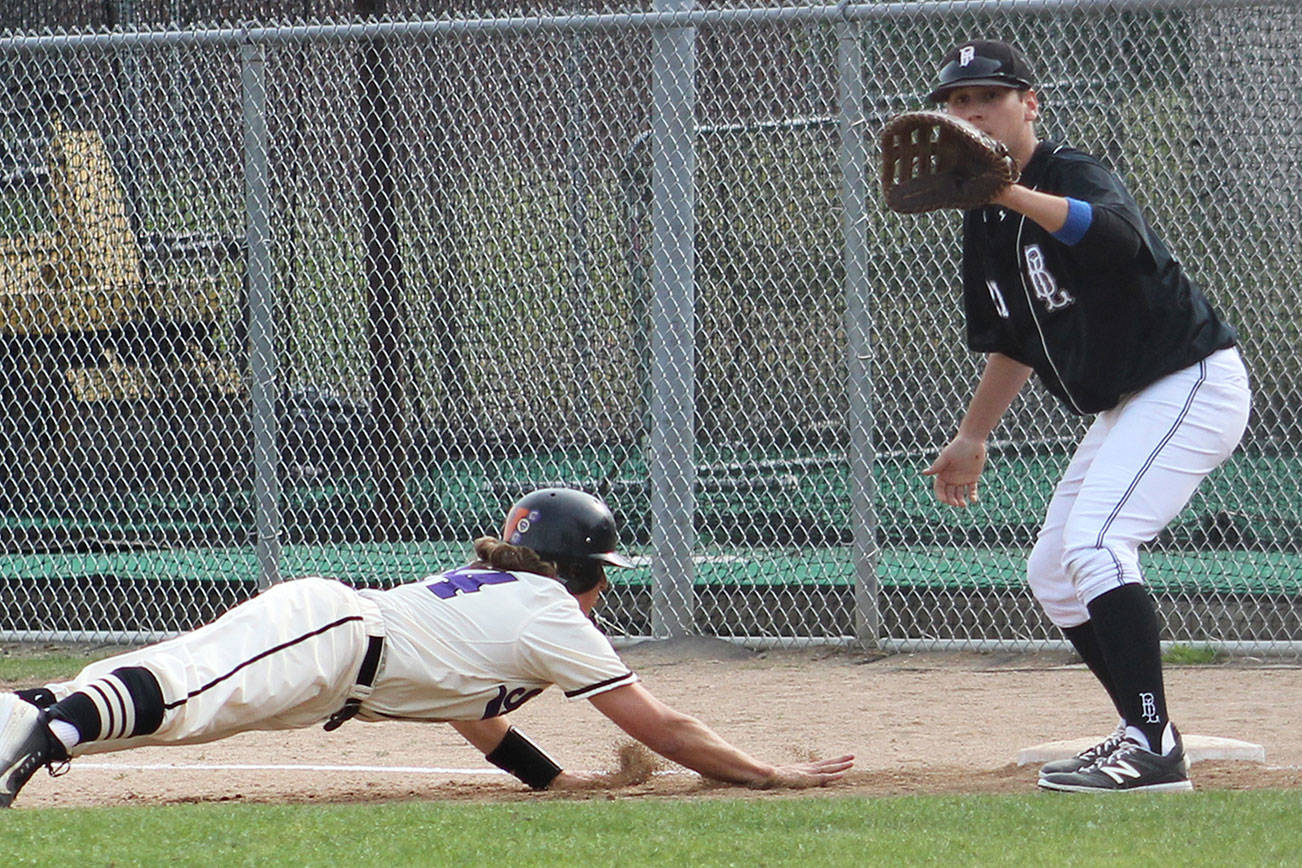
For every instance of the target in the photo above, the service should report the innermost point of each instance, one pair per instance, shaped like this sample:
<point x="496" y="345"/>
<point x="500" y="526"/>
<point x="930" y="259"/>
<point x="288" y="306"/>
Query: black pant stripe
<point x="1152" y="456"/>
<point x="281" y="647"/>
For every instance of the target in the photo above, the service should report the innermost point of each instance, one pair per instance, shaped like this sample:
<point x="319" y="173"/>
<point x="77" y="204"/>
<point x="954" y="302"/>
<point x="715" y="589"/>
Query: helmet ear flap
<point x="579" y="575"/>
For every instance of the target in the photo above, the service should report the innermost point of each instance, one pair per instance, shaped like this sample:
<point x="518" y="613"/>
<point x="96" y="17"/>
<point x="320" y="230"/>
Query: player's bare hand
<point x="816" y="773"/>
<point x="956" y="471"/>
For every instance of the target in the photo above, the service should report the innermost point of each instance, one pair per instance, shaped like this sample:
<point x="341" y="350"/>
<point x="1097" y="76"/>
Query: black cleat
<point x="41" y="697"/>
<point x="1130" y="768"/>
<point x="26" y="744"/>
<point x="1088" y="756"/>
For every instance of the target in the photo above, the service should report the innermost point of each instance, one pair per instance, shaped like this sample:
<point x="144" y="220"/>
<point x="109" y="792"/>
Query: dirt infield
<point x="917" y="723"/>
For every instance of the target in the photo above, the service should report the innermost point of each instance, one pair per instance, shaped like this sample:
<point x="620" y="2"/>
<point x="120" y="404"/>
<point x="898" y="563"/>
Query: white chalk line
<point x="282" y="767"/>
<point x="276" y="767"/>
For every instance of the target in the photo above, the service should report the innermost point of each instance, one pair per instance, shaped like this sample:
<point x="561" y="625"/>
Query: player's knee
<point x="1099" y="566"/>
<point x="1044" y="566"/>
<point x="1051" y="587"/>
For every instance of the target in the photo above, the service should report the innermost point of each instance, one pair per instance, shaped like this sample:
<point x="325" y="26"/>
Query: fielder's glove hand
<point x="933" y="160"/>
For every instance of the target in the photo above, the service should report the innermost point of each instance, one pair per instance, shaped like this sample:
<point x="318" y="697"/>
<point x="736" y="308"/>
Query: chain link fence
<point x="320" y="296"/>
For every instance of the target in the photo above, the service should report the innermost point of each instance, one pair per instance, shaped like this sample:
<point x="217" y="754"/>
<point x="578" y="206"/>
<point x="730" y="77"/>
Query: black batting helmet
<point x="564" y="524"/>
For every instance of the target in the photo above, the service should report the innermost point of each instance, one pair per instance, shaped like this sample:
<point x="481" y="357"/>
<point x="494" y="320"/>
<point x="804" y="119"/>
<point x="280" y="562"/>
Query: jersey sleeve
<point x="986" y="332"/>
<point x="563" y="647"/>
<point x="983" y="332"/>
<point x="1115" y="234"/>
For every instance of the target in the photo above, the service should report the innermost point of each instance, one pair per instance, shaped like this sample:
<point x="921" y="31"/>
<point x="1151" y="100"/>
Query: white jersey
<point x="471" y="644"/>
<point x="463" y="645"/>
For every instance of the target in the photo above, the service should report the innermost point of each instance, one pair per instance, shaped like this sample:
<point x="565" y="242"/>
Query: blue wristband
<point x="1079" y="217"/>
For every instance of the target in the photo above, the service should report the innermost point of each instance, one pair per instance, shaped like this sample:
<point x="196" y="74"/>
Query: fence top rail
<point x="392" y="28"/>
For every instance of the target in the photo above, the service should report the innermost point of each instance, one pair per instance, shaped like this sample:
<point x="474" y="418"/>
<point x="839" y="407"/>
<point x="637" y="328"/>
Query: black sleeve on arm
<point x="524" y="759"/>
<point x="1111" y="236"/>
<point x="1116" y="232"/>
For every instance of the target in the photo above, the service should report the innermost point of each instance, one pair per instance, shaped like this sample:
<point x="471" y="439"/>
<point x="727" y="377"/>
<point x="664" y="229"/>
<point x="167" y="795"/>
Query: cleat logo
<point x="1119" y="771"/>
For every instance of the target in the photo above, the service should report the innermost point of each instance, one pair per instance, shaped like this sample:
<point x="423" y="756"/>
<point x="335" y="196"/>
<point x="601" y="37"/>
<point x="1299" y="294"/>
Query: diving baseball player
<point x="466" y="647"/>
<point x="1064" y="277"/>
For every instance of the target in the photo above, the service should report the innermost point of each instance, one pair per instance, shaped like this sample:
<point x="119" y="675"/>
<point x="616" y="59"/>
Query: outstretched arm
<point x="508" y="749"/>
<point x="483" y="734"/>
<point x="1048" y="210"/>
<point x="689" y="742"/>
<point x="524" y="759"/>
<point x="958" y="467"/>
<point x="1102" y="232"/>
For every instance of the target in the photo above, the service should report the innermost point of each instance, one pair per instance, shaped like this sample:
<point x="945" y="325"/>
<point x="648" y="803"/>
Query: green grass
<point x="1192" y="655"/>
<point x="39" y="664"/>
<point x="1213" y="828"/>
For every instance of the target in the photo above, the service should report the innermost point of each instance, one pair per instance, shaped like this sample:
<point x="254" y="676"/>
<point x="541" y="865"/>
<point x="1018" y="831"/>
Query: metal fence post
<point x="577" y="132"/>
<point x="852" y="157"/>
<point x="673" y="324"/>
<point x="123" y="14"/>
<point x="262" y="315"/>
<point x="386" y="305"/>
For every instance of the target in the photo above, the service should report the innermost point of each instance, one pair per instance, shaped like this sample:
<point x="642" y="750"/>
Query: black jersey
<point x="1097" y="319"/>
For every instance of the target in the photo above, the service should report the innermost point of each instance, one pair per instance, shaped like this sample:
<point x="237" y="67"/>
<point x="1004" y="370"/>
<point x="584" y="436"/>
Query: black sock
<point x="1082" y="638"/>
<point x="1127" y="632"/>
<point x="125" y="703"/>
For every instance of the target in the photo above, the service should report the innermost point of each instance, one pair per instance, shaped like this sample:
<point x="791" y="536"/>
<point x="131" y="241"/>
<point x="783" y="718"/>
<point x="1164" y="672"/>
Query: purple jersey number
<point x="463" y="581"/>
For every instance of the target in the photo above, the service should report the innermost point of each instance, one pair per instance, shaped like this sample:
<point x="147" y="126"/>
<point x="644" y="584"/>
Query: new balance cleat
<point x="1129" y="768"/>
<point x="1088" y="756"/>
<point x="26" y="744"/>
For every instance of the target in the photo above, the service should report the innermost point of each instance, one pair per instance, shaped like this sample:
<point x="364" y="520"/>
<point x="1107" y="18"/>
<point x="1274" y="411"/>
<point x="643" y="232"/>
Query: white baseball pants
<point x="286" y="658"/>
<point x="1135" y="469"/>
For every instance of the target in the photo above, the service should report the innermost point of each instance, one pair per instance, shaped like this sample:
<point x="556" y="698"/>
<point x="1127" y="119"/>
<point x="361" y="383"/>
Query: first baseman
<point x="1064" y="277"/>
<point x="466" y="647"/>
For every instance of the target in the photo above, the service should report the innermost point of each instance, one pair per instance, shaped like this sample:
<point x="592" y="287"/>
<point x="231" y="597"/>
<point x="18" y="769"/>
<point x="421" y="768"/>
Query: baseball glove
<point x="933" y="160"/>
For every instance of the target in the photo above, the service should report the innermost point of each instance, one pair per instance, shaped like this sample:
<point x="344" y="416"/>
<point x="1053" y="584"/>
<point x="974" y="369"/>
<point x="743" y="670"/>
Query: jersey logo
<point x="464" y="582"/>
<point x="506" y="701"/>
<point x="1001" y="307"/>
<point x="1046" y="288"/>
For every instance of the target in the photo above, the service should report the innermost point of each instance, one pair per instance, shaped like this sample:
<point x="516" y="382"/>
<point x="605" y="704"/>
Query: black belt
<point x="365" y="678"/>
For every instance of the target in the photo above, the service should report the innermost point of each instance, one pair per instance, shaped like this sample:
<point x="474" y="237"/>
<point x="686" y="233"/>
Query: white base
<point x="1196" y="747"/>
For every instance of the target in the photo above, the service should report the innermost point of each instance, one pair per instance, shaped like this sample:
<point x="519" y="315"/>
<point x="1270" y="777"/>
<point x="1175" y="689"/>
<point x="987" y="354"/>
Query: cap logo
<point x="966" y="55"/>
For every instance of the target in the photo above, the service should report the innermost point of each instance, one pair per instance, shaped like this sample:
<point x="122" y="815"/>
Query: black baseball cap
<point x="982" y="62"/>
